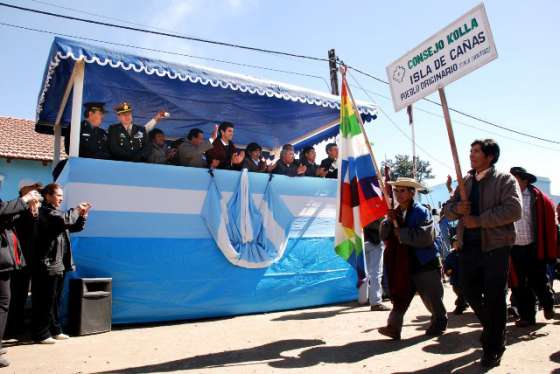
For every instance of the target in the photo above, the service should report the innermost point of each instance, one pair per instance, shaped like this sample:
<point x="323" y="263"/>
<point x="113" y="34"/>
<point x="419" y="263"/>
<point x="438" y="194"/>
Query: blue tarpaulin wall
<point x="145" y="231"/>
<point x="269" y="113"/>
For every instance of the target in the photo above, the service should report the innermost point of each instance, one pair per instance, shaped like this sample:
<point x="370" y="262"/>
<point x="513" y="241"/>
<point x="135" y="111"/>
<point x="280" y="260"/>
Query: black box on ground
<point x="90" y="309"/>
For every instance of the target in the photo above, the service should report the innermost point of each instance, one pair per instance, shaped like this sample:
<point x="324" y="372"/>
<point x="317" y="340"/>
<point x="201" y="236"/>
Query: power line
<point x="210" y="59"/>
<point x="494" y="124"/>
<point x="167" y="52"/>
<point x="160" y="33"/>
<point x="462" y="112"/>
<point x="419" y="109"/>
<point x="433" y="158"/>
<point x="97" y="15"/>
<point x="262" y="50"/>
<point x="268" y="69"/>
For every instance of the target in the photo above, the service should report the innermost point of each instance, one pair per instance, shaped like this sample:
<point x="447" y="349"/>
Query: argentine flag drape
<point x="248" y="236"/>
<point x="360" y="199"/>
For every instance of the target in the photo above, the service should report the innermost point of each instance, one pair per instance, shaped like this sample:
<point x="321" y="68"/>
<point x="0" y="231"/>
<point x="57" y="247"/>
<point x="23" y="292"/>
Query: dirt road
<point x="334" y="339"/>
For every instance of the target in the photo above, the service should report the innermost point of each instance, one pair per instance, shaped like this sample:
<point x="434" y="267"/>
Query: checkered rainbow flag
<point x="360" y="199"/>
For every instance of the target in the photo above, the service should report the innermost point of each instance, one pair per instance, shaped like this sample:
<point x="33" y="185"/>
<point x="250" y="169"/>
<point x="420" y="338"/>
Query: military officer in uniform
<point x="93" y="138"/>
<point x="127" y="141"/>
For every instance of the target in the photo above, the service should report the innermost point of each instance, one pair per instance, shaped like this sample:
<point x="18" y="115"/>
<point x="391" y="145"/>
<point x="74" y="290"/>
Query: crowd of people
<point x="126" y="141"/>
<point x="35" y="248"/>
<point x="506" y="236"/>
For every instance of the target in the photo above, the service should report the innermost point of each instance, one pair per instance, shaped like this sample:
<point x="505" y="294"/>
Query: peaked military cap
<point x="123" y="108"/>
<point x="94" y="106"/>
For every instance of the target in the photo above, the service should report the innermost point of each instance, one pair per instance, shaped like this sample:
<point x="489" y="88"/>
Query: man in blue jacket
<point x="413" y="260"/>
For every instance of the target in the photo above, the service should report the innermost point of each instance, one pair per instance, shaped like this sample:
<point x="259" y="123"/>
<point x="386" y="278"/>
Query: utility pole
<point x="333" y="72"/>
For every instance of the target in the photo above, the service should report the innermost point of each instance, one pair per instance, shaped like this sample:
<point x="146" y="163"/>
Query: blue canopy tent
<point x="149" y="234"/>
<point x="269" y="113"/>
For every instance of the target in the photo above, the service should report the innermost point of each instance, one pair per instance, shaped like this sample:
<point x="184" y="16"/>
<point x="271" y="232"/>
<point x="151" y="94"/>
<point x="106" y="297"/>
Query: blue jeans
<point x="374" y="260"/>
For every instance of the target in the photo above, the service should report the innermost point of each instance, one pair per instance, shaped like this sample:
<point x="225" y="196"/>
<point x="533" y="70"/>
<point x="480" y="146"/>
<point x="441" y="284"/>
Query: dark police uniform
<point x="125" y="146"/>
<point x="93" y="142"/>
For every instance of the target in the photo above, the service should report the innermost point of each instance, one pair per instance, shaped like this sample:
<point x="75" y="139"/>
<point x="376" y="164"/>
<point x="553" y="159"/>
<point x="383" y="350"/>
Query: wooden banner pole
<point x="411" y="123"/>
<point x="453" y="145"/>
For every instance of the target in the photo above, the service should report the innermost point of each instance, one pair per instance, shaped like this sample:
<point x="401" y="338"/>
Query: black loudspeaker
<point x="90" y="309"/>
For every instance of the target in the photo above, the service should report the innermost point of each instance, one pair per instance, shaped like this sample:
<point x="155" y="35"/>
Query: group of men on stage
<point x="126" y="141"/>
<point x="506" y="235"/>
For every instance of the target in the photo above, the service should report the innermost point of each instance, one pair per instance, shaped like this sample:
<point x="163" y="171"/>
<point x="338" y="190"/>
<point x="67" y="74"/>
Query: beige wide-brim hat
<point x="406" y="182"/>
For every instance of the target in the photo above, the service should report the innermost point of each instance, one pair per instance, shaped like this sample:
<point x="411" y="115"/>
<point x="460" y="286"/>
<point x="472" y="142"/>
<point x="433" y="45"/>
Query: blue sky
<point x="518" y="90"/>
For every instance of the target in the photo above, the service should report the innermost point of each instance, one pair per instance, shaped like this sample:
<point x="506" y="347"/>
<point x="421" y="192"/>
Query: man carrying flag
<point x="360" y="199"/>
<point x="412" y="259"/>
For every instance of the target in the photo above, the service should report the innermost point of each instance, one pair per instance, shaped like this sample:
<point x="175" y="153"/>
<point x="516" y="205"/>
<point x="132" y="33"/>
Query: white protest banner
<point x="463" y="46"/>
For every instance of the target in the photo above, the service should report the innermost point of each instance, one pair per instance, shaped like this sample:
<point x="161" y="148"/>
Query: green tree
<point x="401" y="166"/>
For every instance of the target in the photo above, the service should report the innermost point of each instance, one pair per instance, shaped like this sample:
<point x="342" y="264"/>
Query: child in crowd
<point x="451" y="269"/>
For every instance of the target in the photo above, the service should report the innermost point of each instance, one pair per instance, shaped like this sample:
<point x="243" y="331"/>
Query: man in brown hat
<point x="412" y="259"/>
<point x="127" y="141"/>
<point x="535" y="246"/>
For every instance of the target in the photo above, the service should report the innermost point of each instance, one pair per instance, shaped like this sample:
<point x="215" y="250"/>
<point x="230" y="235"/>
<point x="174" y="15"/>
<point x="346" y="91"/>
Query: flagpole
<point x="355" y="107"/>
<point x="411" y="123"/>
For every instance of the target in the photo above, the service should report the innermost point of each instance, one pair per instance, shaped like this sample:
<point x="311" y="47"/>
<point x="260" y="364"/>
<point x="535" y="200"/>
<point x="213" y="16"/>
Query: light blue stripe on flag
<point x="247" y="236"/>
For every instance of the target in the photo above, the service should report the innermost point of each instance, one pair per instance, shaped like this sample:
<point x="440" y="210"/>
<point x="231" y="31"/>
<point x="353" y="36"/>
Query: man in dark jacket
<point x="486" y="233"/>
<point x="52" y="258"/>
<point x="287" y="165"/>
<point x="329" y="166"/>
<point x="127" y="141"/>
<point x="93" y="138"/>
<point x="535" y="246"/>
<point x="11" y="257"/>
<point x="308" y="160"/>
<point x="253" y="160"/>
<point x="24" y="224"/>
<point x="223" y="152"/>
<point x="420" y="269"/>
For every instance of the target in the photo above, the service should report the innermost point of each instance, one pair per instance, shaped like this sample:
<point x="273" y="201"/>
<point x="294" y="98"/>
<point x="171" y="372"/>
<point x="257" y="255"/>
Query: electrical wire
<point x="462" y="112"/>
<point x="428" y="154"/>
<point x="455" y="121"/>
<point x="161" y="33"/>
<point x="167" y="52"/>
<point x="261" y="50"/>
